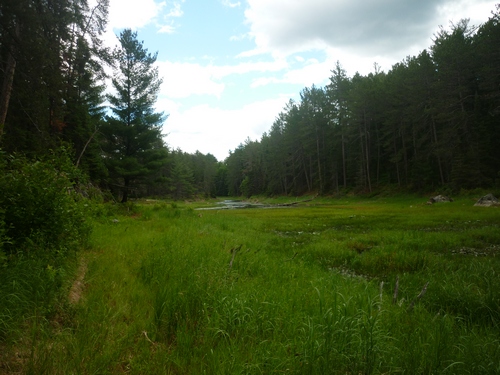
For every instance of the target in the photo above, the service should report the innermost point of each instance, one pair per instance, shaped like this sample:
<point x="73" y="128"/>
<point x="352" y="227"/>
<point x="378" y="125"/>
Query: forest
<point x="428" y="124"/>
<point x="96" y="279"/>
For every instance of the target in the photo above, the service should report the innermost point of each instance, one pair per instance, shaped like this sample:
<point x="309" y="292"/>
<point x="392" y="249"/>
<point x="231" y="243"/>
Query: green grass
<point x="298" y="290"/>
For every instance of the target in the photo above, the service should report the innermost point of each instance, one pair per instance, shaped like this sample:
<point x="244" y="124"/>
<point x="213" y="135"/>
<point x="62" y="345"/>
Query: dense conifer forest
<point x="91" y="283"/>
<point x="430" y="123"/>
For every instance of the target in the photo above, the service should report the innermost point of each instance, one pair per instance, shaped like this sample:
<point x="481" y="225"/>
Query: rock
<point x="439" y="199"/>
<point x="487" y="201"/>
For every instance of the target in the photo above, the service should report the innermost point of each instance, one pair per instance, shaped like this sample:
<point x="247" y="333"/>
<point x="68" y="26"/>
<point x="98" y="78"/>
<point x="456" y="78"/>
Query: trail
<point x="75" y="293"/>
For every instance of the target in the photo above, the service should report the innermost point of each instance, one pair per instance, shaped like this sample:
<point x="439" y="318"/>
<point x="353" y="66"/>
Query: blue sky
<point x="229" y="67"/>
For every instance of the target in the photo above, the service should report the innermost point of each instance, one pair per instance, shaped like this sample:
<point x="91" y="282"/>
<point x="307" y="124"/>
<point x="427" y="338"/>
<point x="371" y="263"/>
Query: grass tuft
<point x="302" y="290"/>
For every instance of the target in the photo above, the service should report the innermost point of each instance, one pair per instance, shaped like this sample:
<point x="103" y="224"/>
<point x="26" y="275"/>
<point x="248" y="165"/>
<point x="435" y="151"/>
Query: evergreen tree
<point x="51" y="74"/>
<point x="487" y="50"/>
<point x="314" y="112"/>
<point x="83" y="67"/>
<point x="132" y="135"/>
<point x="430" y="121"/>
<point x="182" y="179"/>
<point x="33" y="36"/>
<point x="456" y="66"/>
<point x="338" y="92"/>
<point x="235" y="166"/>
<point x="221" y="185"/>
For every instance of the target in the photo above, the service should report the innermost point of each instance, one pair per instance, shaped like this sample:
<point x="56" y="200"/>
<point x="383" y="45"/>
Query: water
<point x="230" y="204"/>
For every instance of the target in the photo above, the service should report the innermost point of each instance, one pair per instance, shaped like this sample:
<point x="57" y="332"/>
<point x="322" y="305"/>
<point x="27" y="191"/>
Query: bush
<point x="3" y="238"/>
<point x="41" y="214"/>
<point x="42" y="223"/>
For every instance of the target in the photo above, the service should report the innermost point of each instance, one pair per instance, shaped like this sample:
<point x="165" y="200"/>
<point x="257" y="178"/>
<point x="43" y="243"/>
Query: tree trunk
<point x="126" y="184"/>
<point x="366" y="148"/>
<point x="378" y="154"/>
<point x="318" y="156"/>
<point x="344" y="172"/>
<point x="434" y="134"/>
<point x="368" y="165"/>
<point x="396" y="159"/>
<point x="305" y="175"/>
<point x="405" y="157"/>
<point x="8" y="80"/>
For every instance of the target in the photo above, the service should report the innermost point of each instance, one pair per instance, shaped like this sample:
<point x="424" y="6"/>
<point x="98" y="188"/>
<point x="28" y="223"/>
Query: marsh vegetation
<point x="304" y="290"/>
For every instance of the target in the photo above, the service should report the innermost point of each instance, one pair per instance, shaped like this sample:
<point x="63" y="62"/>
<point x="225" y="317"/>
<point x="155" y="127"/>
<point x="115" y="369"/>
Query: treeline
<point x="56" y="92"/>
<point x="431" y="122"/>
<point x="186" y="175"/>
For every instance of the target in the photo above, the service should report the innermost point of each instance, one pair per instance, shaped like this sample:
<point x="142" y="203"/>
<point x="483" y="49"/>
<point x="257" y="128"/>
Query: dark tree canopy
<point x="430" y="123"/>
<point x="133" y="143"/>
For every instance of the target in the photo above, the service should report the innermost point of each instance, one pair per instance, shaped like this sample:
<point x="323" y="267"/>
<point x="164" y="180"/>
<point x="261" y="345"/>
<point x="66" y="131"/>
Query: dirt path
<point x="75" y="293"/>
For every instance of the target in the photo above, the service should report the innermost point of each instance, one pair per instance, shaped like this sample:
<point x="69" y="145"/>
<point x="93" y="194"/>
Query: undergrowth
<point x="338" y="286"/>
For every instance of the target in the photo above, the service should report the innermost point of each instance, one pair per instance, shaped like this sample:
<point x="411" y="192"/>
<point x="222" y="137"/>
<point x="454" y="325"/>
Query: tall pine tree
<point x="132" y="134"/>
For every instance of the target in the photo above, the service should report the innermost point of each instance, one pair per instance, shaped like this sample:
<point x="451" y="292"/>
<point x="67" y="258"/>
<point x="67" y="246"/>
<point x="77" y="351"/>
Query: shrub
<point x="3" y="238"/>
<point x="42" y="215"/>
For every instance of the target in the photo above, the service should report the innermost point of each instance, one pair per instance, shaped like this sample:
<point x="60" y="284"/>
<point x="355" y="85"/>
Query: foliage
<point x="307" y="289"/>
<point x="425" y="124"/>
<point x="186" y="176"/>
<point x="43" y="222"/>
<point x="57" y="77"/>
<point x="42" y="214"/>
<point x="133" y="144"/>
<point x="31" y="291"/>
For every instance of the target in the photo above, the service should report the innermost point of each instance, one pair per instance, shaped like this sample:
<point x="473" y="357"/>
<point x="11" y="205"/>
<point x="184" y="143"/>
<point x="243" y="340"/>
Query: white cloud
<point x="264" y="81"/>
<point x="166" y="29"/>
<point x="356" y="33"/>
<point x="138" y="14"/>
<point x="385" y="27"/>
<point x="362" y="64"/>
<point x="239" y="38"/>
<point x="168" y="26"/>
<point x="181" y="80"/>
<point x="176" y="11"/>
<point x="313" y="72"/>
<point x="477" y="11"/>
<point x="249" y="67"/>
<point x="228" y="3"/>
<point x="133" y="14"/>
<point x="216" y="131"/>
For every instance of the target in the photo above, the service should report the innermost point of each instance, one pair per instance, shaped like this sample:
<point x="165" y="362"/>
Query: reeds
<point x="283" y="291"/>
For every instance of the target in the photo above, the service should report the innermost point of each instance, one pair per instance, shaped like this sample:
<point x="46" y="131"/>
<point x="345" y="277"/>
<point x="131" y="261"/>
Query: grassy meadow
<point x="349" y="286"/>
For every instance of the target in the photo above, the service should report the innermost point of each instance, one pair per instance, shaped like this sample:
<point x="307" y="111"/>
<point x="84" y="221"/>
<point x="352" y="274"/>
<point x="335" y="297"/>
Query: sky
<point x="230" y="66"/>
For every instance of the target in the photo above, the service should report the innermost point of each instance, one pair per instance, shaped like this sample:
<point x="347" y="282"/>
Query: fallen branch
<point x="294" y="203"/>
<point x="85" y="147"/>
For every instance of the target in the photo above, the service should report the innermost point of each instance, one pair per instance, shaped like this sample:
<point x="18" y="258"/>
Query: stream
<point x="230" y="204"/>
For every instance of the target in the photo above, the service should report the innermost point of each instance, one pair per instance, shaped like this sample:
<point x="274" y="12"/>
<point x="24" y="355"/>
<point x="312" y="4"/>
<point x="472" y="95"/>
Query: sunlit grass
<point x="306" y="289"/>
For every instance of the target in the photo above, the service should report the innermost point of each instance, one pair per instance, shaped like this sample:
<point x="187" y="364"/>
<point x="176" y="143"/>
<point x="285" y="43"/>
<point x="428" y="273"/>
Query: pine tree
<point x="133" y="144"/>
<point x="51" y="75"/>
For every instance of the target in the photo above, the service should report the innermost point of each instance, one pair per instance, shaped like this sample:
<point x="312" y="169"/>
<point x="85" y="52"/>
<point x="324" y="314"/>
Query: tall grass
<point x="303" y="290"/>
